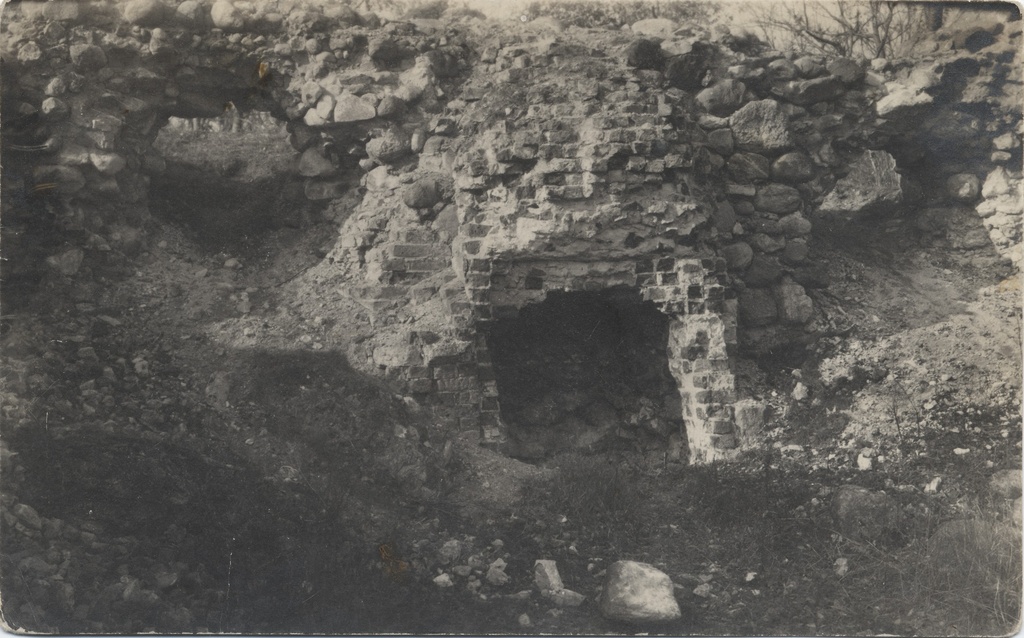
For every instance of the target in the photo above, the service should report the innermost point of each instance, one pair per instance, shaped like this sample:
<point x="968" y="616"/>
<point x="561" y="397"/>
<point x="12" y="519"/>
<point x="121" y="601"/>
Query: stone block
<point x="749" y="418"/>
<point x="226" y="16"/>
<point x="723" y="97"/>
<point x="88" y="57"/>
<point x="782" y="70"/>
<point x="794" y="225"/>
<point x="871" y="186"/>
<point x="721" y="141"/>
<point x="809" y="66"/>
<point x="392" y="145"/>
<point x="846" y="69"/>
<point x="352" y="108"/>
<point x="546" y="576"/>
<point x="795" y="307"/>
<point x="778" y="199"/>
<point x="313" y="164"/>
<point x="145" y="13"/>
<point x="423" y="193"/>
<point x="638" y="592"/>
<point x="997" y="183"/>
<point x="793" y="168"/>
<point x="748" y="168"/>
<point x="795" y="252"/>
<point x="804" y="92"/>
<point x="761" y="127"/>
<point x="738" y="256"/>
<point x="191" y="12"/>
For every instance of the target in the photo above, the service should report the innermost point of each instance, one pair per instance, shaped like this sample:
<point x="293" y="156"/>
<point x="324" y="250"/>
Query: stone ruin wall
<point x="495" y="170"/>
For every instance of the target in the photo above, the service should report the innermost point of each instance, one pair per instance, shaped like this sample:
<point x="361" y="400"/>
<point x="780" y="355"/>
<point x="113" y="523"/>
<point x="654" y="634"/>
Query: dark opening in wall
<point x="228" y="181"/>
<point x="585" y="371"/>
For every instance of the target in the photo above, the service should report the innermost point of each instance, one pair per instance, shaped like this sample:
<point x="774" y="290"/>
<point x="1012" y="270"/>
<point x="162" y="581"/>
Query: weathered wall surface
<point x="497" y="164"/>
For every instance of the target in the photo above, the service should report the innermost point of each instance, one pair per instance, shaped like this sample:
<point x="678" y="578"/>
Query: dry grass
<point x="969" y="571"/>
<point x="596" y="495"/>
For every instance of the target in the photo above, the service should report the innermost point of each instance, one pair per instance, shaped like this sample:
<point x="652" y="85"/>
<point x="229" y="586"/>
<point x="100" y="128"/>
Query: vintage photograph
<point x="467" y="317"/>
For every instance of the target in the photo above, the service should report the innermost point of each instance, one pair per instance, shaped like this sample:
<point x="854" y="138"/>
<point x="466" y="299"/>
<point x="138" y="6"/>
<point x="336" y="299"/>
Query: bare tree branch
<point x="879" y="28"/>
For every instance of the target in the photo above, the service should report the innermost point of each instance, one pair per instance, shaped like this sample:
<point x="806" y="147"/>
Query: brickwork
<point x="690" y="291"/>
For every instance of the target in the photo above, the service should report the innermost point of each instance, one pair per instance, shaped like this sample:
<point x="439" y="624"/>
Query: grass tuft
<point x="596" y="495"/>
<point x="969" y="571"/>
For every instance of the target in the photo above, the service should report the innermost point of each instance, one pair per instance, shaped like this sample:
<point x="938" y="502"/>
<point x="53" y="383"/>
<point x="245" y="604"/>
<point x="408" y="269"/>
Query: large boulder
<point x="761" y="127"/>
<point x="88" y="57"/>
<point x="863" y="515"/>
<point x="795" y="252"/>
<point x="795" y="307"/>
<point x="391" y="106"/>
<point x="903" y="102"/>
<point x="145" y="13"/>
<point x="391" y="146"/>
<point x="737" y="256"/>
<point x="720" y="141"/>
<point x="226" y="16"/>
<point x="313" y="164"/>
<point x="723" y="97"/>
<point x="795" y="225"/>
<point x="423" y="193"/>
<point x="637" y="592"/>
<point x="352" y="108"/>
<point x="762" y="271"/>
<point x="724" y="217"/>
<point x="417" y="81"/>
<point x="871" y="186"/>
<point x="661" y="28"/>
<point x="62" y="10"/>
<point x="191" y="12"/>
<point x="782" y="70"/>
<point x="847" y="70"/>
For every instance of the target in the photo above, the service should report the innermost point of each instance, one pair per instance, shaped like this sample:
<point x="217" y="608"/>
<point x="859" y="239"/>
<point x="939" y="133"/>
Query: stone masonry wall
<point x="498" y="163"/>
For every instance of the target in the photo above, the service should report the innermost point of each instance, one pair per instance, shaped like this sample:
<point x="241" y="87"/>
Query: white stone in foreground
<point x="637" y="592"/>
